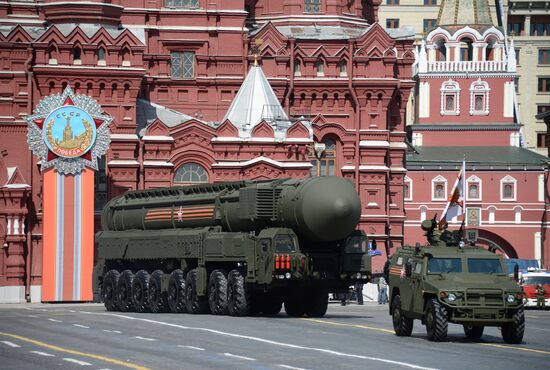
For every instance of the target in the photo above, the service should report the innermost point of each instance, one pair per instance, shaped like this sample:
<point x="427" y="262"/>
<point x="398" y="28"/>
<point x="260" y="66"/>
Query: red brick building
<point x="178" y="77"/>
<point x="465" y="109"/>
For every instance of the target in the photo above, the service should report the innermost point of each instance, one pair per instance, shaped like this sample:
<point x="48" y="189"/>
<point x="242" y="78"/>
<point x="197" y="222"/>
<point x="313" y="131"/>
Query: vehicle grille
<point x="494" y="298"/>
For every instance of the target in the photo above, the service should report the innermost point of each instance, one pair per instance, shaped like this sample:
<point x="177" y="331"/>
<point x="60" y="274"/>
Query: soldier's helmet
<point x="428" y="225"/>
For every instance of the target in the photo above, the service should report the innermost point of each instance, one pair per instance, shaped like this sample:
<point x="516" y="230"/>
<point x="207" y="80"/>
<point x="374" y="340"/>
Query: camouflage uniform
<point x="541" y="295"/>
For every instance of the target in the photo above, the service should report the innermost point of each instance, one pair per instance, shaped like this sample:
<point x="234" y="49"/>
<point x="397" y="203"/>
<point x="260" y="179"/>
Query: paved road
<point x="351" y="337"/>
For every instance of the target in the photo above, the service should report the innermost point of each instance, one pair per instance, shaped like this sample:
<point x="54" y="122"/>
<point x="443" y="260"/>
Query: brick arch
<point x="487" y="238"/>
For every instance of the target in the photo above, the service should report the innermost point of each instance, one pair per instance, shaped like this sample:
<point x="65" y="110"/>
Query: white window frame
<point x="408" y="181"/>
<point x="476" y="180"/>
<point x="436" y="180"/>
<point x="479" y="88"/>
<point x="450" y="87"/>
<point x="508" y="180"/>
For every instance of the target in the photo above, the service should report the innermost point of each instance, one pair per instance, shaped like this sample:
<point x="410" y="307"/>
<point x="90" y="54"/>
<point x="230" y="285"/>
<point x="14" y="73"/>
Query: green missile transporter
<point x="232" y="248"/>
<point x="447" y="281"/>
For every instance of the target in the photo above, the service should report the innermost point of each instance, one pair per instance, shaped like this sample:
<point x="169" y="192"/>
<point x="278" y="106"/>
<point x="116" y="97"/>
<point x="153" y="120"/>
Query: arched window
<point x="320" y="68"/>
<point x="52" y="54"/>
<point x="466" y="49"/>
<point x="343" y="68"/>
<point x="101" y="56"/>
<point x="126" y="57"/>
<point x="508" y="189"/>
<point x="517" y="215"/>
<point x="439" y="188"/>
<point x="474" y="188"/>
<point x="450" y="98"/>
<point x="492" y="211"/>
<point x="423" y="211"/>
<point x="479" y="97"/>
<point x="323" y="158"/>
<point x="190" y="173"/>
<point x="77" y="55"/>
<point x="297" y="68"/>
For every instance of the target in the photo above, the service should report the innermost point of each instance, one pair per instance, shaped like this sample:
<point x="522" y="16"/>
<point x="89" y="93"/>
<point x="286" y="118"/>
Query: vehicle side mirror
<point x="408" y="269"/>
<point x="516" y="272"/>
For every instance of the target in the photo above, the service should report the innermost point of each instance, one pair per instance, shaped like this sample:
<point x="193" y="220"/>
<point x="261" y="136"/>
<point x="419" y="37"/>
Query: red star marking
<point x="68" y="101"/>
<point x="98" y="122"/>
<point x="51" y="156"/>
<point x="180" y="214"/>
<point x="39" y="122"/>
<point x="402" y="274"/>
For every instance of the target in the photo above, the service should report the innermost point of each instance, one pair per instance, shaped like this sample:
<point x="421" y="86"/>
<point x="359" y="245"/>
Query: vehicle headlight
<point x="451" y="297"/>
<point x="510" y="298"/>
<point x="287" y="275"/>
<point x="358" y="276"/>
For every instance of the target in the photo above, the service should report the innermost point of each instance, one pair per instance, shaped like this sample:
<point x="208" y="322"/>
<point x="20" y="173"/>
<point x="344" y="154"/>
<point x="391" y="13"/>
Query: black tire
<point x="317" y="304"/>
<point x="238" y="297"/>
<point x="402" y="325"/>
<point x="217" y="292"/>
<point x="295" y="307"/>
<point x="124" y="291"/>
<point x="195" y="304"/>
<point x="140" y="291"/>
<point x="176" y="292"/>
<point x="513" y="332"/>
<point x="158" y="302"/>
<point x="108" y="290"/>
<point x="271" y="306"/>
<point x="436" y="321"/>
<point x="473" y="332"/>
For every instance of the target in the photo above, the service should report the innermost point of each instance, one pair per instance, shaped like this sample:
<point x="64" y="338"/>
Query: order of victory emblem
<point x="68" y="132"/>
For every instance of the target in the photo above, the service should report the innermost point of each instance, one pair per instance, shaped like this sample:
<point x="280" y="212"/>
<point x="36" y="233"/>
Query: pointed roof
<point x="464" y="12"/>
<point x="256" y="102"/>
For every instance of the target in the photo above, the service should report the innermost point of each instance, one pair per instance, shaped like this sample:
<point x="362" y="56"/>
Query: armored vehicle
<point x="447" y="281"/>
<point x="232" y="248"/>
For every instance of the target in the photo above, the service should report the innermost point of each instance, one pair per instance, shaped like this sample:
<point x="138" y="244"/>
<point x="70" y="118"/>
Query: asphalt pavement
<point x="76" y="336"/>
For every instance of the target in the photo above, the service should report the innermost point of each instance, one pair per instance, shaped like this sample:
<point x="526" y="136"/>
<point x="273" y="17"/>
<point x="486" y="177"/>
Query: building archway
<point x="490" y="240"/>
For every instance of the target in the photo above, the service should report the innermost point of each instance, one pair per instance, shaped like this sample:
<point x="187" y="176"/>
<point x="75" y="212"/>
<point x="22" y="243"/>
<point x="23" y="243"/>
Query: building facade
<point x="204" y="91"/>
<point x="527" y="23"/>
<point x="465" y="75"/>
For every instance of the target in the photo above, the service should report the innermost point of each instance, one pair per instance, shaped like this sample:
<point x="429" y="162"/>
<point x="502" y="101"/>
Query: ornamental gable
<point x="227" y="129"/>
<point x="18" y="34"/>
<point x="263" y="129"/>
<point x="298" y="131"/>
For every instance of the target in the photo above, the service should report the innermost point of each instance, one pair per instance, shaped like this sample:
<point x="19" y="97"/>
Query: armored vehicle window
<point x="418" y="268"/>
<point x="484" y="265"/>
<point x="284" y="243"/>
<point x="356" y="245"/>
<point x="445" y="265"/>
<point x="399" y="261"/>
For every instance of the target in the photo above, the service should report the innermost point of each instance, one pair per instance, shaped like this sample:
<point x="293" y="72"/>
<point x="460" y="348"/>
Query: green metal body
<point x="476" y="278"/>
<point x="308" y="224"/>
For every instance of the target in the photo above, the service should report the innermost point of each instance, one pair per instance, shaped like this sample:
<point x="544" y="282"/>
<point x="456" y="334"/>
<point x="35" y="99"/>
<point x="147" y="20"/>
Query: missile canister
<point x="319" y="209"/>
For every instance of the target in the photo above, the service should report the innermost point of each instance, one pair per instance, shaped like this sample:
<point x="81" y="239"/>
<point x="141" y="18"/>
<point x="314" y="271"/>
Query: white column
<point x="9" y="225"/>
<point x="538" y="246"/>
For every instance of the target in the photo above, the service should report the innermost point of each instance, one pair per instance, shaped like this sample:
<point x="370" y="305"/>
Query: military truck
<point x="449" y="282"/>
<point x="232" y="248"/>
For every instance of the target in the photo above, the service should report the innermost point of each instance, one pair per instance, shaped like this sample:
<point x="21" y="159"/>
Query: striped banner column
<point x="68" y="236"/>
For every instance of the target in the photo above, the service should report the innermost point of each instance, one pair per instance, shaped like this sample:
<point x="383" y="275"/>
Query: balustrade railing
<point x="467" y="66"/>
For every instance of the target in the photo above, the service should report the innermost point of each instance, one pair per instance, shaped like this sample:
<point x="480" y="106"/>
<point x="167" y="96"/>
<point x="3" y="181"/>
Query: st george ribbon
<point x="68" y="133"/>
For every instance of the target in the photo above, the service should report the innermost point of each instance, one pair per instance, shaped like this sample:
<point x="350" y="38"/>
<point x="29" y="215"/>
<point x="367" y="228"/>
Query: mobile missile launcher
<point x="232" y="248"/>
<point x="447" y="281"/>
